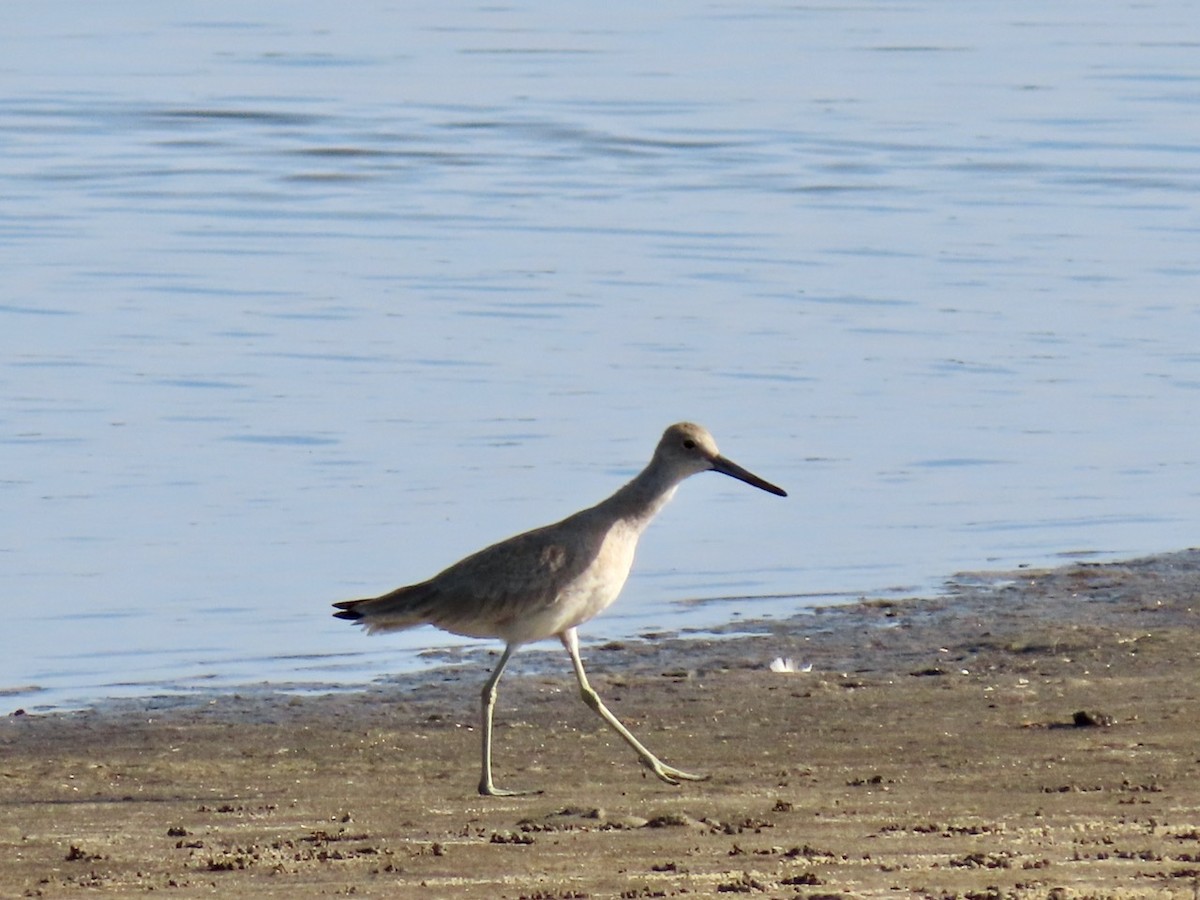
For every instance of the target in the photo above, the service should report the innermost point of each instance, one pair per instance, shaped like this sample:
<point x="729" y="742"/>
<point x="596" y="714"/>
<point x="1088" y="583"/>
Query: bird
<point x="547" y="582"/>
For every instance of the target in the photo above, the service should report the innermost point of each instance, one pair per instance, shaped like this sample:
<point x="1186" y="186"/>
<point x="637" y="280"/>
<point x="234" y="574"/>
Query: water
<point x="303" y="302"/>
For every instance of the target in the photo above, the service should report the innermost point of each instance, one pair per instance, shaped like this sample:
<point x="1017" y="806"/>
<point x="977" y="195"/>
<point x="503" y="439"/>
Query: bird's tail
<point x="403" y="608"/>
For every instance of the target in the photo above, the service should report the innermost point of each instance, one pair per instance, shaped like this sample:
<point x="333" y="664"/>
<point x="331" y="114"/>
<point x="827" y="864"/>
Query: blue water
<point x="302" y="302"/>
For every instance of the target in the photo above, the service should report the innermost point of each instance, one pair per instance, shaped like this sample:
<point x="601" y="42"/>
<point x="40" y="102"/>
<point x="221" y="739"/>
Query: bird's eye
<point x="690" y="444"/>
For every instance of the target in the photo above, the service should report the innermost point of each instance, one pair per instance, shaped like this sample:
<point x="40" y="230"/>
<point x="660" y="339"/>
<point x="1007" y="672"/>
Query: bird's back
<point x="514" y="589"/>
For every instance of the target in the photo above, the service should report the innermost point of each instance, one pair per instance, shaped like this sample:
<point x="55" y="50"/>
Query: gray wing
<point x="481" y="594"/>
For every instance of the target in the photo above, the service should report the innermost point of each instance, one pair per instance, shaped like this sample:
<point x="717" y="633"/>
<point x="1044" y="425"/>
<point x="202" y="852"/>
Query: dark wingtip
<point x="346" y="610"/>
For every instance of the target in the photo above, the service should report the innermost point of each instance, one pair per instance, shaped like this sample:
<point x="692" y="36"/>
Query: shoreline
<point x="438" y="658"/>
<point x="1024" y="591"/>
<point x="934" y="749"/>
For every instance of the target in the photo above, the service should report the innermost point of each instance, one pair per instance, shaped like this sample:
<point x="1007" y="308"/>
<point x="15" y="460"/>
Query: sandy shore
<point x="1035" y="736"/>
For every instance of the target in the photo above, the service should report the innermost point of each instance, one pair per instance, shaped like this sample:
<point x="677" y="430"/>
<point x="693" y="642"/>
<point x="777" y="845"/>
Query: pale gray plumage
<point x="543" y="583"/>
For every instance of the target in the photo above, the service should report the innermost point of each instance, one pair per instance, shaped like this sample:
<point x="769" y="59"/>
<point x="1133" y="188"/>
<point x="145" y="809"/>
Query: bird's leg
<point x="486" y="787"/>
<point x="669" y="774"/>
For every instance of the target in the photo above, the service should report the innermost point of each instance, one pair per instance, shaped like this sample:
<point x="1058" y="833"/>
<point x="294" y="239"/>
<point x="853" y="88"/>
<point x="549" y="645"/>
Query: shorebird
<point x="546" y="582"/>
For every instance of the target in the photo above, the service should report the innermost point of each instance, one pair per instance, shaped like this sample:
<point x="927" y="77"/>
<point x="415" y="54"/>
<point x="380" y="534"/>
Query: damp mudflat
<point x="1033" y="735"/>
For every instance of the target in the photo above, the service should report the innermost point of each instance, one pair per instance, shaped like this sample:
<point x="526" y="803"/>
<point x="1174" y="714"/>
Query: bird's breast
<point x="600" y="583"/>
<point x="592" y="590"/>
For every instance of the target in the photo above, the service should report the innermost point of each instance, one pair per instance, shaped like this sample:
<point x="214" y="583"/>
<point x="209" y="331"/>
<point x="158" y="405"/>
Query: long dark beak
<point x="732" y="469"/>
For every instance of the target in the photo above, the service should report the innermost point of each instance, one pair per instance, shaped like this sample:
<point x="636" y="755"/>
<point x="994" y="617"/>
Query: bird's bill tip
<point x="733" y="470"/>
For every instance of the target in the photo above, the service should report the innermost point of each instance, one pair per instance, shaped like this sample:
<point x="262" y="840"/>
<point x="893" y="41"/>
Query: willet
<point x="546" y="582"/>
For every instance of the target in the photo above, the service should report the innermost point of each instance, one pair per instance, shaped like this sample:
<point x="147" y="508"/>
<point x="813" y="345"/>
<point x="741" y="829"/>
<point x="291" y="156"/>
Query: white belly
<point x="589" y="594"/>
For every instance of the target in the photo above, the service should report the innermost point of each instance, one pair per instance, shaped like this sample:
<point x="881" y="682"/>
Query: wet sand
<point x="1035" y="735"/>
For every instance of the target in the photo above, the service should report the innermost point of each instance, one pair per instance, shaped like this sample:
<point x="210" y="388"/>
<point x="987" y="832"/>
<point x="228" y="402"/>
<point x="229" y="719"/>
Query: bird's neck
<point x="640" y="500"/>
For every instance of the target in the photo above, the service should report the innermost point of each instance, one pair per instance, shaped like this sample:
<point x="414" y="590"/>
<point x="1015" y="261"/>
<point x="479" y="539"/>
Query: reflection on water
<point x="298" y="309"/>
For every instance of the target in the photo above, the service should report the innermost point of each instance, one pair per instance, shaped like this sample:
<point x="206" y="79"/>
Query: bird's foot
<point x="670" y="774"/>
<point x="487" y="789"/>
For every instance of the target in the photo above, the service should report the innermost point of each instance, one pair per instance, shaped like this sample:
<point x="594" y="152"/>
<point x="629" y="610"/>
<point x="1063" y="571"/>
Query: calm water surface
<point x="303" y="302"/>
